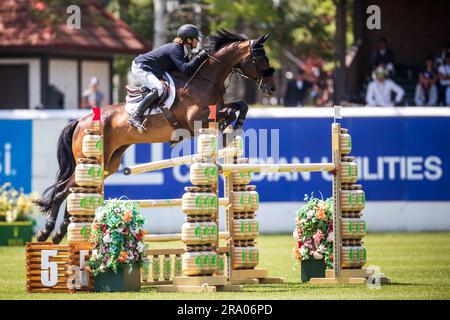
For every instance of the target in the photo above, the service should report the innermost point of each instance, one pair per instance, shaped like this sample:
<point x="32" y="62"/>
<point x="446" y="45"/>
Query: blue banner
<point x="399" y="158"/>
<point x="15" y="153"/>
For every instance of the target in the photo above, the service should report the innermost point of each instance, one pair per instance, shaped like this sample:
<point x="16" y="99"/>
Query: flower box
<point x="15" y="233"/>
<point x="116" y="235"/>
<point x="312" y="268"/>
<point x="121" y="281"/>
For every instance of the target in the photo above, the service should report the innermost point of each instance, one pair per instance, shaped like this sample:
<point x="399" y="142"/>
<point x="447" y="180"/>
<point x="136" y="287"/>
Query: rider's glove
<point x="203" y="55"/>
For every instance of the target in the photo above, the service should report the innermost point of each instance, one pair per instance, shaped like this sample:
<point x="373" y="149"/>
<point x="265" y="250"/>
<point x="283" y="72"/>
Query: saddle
<point x="136" y="94"/>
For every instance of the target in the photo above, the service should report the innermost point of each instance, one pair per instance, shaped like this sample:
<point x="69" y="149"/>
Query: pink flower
<point x="318" y="236"/>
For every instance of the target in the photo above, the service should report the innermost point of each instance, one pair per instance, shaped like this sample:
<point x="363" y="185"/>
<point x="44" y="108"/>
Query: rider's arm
<point x="187" y="68"/>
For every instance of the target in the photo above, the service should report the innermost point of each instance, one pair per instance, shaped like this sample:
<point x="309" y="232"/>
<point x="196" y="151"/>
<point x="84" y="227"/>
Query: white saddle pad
<point x="131" y="107"/>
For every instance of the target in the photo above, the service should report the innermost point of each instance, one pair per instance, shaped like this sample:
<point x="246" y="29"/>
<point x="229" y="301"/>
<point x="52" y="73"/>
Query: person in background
<point x="297" y="90"/>
<point x="426" y="91"/>
<point x="430" y="68"/>
<point x="380" y="90"/>
<point x="444" y="80"/>
<point x="92" y="97"/>
<point x="383" y="56"/>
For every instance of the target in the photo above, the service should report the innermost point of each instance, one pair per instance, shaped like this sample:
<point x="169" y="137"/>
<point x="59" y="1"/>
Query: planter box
<point x="119" y="282"/>
<point x="312" y="269"/>
<point x="15" y="233"/>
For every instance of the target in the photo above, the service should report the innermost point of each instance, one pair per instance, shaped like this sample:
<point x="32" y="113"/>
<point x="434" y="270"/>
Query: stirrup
<point x="141" y="127"/>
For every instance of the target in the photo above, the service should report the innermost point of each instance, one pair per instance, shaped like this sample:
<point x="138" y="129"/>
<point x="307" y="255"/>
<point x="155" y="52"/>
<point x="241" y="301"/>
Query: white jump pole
<point x="169" y="237"/>
<point x="169" y="163"/>
<point x="161" y="203"/>
<point x="294" y="167"/>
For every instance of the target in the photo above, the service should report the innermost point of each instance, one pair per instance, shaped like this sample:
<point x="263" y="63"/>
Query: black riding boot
<point x="137" y="119"/>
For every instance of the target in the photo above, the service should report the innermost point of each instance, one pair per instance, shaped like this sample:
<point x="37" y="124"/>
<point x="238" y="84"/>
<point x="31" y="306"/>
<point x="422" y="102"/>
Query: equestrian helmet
<point x="189" y="31"/>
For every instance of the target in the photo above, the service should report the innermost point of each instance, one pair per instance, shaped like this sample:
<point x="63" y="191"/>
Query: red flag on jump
<point x="212" y="112"/>
<point x="96" y="111"/>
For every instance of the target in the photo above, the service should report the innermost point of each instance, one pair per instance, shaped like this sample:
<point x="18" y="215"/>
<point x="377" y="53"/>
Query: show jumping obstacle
<point x="203" y="257"/>
<point x="204" y="265"/>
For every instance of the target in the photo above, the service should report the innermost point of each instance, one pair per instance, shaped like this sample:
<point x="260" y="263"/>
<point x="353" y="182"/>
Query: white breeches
<point x="146" y="78"/>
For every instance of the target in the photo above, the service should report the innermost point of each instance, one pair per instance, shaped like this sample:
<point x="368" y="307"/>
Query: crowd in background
<point x="432" y="89"/>
<point x="311" y="87"/>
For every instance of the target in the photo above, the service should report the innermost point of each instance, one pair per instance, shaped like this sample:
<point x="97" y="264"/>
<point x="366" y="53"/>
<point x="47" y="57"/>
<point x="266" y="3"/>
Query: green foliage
<point x="303" y="27"/>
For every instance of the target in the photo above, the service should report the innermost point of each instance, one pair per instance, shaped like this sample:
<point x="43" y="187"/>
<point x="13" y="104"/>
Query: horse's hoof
<point x="41" y="236"/>
<point x="57" y="237"/>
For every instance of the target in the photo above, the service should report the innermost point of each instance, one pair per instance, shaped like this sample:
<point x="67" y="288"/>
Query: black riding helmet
<point x="189" y="31"/>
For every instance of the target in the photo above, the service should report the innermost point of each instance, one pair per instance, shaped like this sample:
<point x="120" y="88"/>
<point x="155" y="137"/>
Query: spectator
<point x="297" y="90"/>
<point x="379" y="90"/>
<point x="430" y="68"/>
<point x="444" y="80"/>
<point x="426" y="91"/>
<point x="383" y="56"/>
<point x="92" y="97"/>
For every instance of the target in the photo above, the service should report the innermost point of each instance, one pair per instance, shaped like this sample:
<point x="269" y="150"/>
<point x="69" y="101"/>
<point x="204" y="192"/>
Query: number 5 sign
<point x="57" y="268"/>
<point x="47" y="265"/>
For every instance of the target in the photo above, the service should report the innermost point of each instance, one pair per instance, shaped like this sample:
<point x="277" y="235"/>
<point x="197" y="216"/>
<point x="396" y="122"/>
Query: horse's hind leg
<point x="43" y="235"/>
<point x="58" y="236"/>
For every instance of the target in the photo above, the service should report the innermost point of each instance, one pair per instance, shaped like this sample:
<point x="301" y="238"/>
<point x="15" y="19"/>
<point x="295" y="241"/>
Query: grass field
<point x="418" y="264"/>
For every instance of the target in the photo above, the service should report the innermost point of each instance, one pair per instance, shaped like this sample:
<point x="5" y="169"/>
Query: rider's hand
<point x="203" y="55"/>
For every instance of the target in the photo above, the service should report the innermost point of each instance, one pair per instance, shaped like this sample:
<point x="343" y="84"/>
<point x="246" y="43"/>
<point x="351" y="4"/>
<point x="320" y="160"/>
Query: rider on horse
<point x="149" y="67"/>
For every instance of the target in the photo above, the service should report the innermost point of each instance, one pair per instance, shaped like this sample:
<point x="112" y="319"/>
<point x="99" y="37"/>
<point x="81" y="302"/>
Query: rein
<point x="236" y="70"/>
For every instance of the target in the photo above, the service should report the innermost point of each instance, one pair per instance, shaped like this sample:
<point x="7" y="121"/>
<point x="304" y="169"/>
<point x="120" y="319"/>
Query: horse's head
<point x="256" y="66"/>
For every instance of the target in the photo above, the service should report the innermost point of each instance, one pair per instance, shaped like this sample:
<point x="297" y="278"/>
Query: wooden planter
<point x="199" y="263"/>
<point x="92" y="146"/>
<point x="349" y="170"/>
<point x="78" y="231"/>
<point x="245" y="229"/>
<point x="207" y="145"/>
<point x="346" y="142"/>
<point x="245" y="257"/>
<point x="83" y="203"/>
<point x="353" y="228"/>
<point x="203" y="174"/>
<point x="312" y="268"/>
<point x="242" y="201"/>
<point x="353" y="257"/>
<point x="121" y="281"/>
<point x="199" y="232"/>
<point x="15" y="233"/>
<point x="199" y="203"/>
<point x="353" y="200"/>
<point x="88" y="175"/>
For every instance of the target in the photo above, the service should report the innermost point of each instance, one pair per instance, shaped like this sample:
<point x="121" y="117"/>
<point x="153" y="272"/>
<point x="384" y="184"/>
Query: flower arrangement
<point x="15" y="205"/>
<point x="314" y="231"/>
<point x="117" y="233"/>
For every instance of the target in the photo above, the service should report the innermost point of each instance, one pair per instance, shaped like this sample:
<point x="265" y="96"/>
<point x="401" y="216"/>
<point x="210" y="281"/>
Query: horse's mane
<point x="222" y="38"/>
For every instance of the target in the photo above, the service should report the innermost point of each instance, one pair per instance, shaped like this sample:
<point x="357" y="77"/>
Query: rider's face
<point x="193" y="42"/>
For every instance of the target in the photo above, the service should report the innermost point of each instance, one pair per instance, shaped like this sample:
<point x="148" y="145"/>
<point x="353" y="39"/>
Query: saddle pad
<point x="130" y="107"/>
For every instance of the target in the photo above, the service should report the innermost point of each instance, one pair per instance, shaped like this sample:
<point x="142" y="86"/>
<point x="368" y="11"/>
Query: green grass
<point x="418" y="264"/>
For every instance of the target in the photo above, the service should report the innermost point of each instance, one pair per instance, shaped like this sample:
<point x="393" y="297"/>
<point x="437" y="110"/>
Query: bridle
<point x="238" y="69"/>
<point x="254" y="53"/>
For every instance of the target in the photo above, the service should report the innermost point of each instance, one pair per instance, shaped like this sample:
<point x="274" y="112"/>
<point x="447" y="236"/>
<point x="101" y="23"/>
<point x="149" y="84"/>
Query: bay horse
<point x="228" y="53"/>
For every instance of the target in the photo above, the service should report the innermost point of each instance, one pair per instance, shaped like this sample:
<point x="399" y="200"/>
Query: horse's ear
<point x="260" y="41"/>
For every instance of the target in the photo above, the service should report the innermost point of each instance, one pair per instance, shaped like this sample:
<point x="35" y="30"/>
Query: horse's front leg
<point x="227" y="114"/>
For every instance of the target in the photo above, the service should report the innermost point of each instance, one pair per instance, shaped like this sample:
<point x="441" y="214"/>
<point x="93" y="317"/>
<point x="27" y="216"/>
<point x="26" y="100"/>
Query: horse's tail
<point x="66" y="161"/>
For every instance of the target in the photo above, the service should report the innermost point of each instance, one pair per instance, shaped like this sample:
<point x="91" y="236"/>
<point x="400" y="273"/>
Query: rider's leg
<point x="149" y="80"/>
<point x="137" y="118"/>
